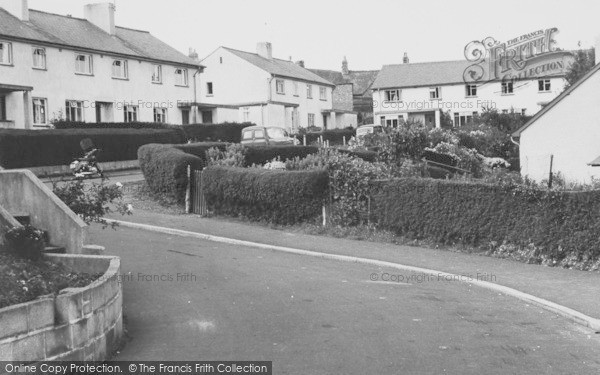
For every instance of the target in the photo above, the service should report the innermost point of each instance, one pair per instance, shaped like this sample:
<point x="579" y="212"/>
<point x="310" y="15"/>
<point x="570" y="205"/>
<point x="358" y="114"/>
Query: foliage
<point x="585" y="59"/>
<point x="334" y="136"/>
<point x="263" y="154"/>
<point x="224" y="132"/>
<point x="92" y="201"/>
<point x="26" y="242"/>
<point x="466" y="158"/>
<point x="282" y="197"/>
<point x="233" y="156"/>
<point x="505" y="122"/>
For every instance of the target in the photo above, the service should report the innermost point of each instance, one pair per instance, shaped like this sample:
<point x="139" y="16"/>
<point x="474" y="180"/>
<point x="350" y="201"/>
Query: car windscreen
<point x="275" y="133"/>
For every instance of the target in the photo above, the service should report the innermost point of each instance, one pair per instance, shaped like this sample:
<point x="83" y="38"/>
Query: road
<point x="313" y="316"/>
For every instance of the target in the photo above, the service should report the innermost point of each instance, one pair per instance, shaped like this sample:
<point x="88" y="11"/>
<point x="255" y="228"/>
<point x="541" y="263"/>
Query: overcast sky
<point x="370" y="33"/>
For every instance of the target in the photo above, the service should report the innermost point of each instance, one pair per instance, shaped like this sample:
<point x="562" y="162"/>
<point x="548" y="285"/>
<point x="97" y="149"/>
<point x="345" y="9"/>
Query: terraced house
<point x="88" y="69"/>
<point x="243" y="86"/>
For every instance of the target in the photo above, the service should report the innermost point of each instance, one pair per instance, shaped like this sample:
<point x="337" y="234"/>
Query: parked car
<point x="266" y="135"/>
<point x="363" y="130"/>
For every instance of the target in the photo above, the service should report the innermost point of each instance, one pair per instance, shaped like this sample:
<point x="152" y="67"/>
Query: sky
<point x="369" y="33"/>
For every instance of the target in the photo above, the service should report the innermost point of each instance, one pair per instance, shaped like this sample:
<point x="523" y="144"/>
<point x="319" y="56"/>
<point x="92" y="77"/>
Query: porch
<point x="15" y="107"/>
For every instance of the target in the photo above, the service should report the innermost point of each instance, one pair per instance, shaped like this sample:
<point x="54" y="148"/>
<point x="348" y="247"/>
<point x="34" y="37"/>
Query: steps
<point x="25" y="219"/>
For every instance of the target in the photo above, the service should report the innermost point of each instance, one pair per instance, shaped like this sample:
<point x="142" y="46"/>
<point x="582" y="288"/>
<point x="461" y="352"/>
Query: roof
<point x="78" y="33"/>
<point x="595" y="162"/>
<point x="281" y="68"/>
<point x="360" y="79"/>
<point x="429" y="74"/>
<point x="557" y="100"/>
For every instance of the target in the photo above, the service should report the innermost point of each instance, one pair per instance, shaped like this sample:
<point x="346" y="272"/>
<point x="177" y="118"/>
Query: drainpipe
<point x="198" y="71"/>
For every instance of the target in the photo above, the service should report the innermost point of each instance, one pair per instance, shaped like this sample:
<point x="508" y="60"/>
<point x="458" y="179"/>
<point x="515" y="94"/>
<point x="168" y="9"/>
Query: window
<point x="40" y="109"/>
<point x="185" y="116"/>
<point x="296" y="89"/>
<point x="309" y="91"/>
<point x="524" y="111"/>
<point x="259" y="134"/>
<point x="507" y="88"/>
<point x="461" y="119"/>
<point x="119" y="69"/>
<point x="247" y="135"/>
<point x="323" y="93"/>
<point x="246" y="111"/>
<point x="392" y="95"/>
<point x="435" y="93"/>
<point x="160" y="115"/>
<point x="83" y="64"/>
<point x="221" y="60"/>
<point x="209" y="88"/>
<point x="382" y="120"/>
<point x="544" y="85"/>
<point x="280" y="86"/>
<point x="157" y="74"/>
<point x="74" y="110"/>
<point x="39" y="58"/>
<point x="471" y="90"/>
<point x="181" y="77"/>
<point x="130" y="113"/>
<point x="392" y="122"/>
<point x="2" y="108"/>
<point x="5" y="53"/>
<point x="311" y="120"/>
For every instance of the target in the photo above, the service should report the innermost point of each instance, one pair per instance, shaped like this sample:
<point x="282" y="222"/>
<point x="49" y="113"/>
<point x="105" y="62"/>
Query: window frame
<point x="390" y="98"/>
<point x="184" y="74"/>
<point x="9" y="53"/>
<point x="296" y="89"/>
<point x="44" y="106"/>
<point x="44" y="59"/>
<point x="280" y="86"/>
<point x="505" y="88"/>
<point x="544" y="85"/>
<point x="435" y="93"/>
<point x="311" y="120"/>
<point x="322" y="93"/>
<point x="157" y="76"/>
<point x="78" y="107"/>
<point x="127" y="114"/>
<point x="210" y="89"/>
<point x="309" y="91"/>
<point x="164" y="114"/>
<point x="89" y="64"/>
<point x="124" y="69"/>
<point x="471" y="91"/>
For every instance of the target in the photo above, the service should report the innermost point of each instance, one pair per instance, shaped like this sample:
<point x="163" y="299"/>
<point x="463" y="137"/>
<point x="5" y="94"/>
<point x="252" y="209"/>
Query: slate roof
<point x="360" y="79"/>
<point x="78" y="33"/>
<point x="281" y="68"/>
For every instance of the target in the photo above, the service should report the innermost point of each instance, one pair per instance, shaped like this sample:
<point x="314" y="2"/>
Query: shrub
<point x="233" y="156"/>
<point x="165" y="169"/>
<point x="199" y="149"/>
<point x="334" y="136"/>
<point x="34" y="148"/>
<point x="283" y="197"/>
<point x="225" y="132"/>
<point x="558" y="224"/>
<point x="366" y="155"/>
<point x="264" y="154"/>
<point x="26" y="242"/>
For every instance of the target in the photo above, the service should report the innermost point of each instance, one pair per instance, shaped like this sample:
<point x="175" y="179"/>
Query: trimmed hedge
<point x="225" y="132"/>
<point x="283" y="197"/>
<point x="199" y="149"/>
<point x="264" y="154"/>
<point x="165" y="169"/>
<point x="111" y="125"/>
<point x="557" y="223"/>
<point x="334" y="136"/>
<point x="34" y="148"/>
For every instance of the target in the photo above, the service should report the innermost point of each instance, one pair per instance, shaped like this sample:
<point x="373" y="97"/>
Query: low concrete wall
<point x="61" y="170"/>
<point x="22" y="192"/>
<point x="80" y="324"/>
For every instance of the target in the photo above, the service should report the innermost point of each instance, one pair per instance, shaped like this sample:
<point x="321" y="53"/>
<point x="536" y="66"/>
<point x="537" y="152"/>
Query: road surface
<point x="187" y="299"/>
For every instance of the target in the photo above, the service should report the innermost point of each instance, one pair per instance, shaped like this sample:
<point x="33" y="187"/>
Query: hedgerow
<point x="225" y="132"/>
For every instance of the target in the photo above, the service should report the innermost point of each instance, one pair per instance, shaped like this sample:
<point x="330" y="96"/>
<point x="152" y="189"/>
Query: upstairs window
<point x="280" y="86"/>
<point x="83" y="64"/>
<point x="471" y="90"/>
<point x="39" y="58"/>
<point x="392" y="95"/>
<point x="309" y="91"/>
<point x="435" y="93"/>
<point x="157" y="74"/>
<point x="323" y="93"/>
<point x="544" y="85"/>
<point x="119" y="69"/>
<point x="160" y="115"/>
<point x="507" y="88"/>
<point x="5" y="53"/>
<point x="74" y="109"/>
<point x="209" y="88"/>
<point x="130" y="113"/>
<point x="181" y="77"/>
<point x="40" y="108"/>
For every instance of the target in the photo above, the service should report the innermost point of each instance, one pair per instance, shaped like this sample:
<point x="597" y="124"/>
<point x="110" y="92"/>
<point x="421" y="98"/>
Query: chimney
<point x="193" y="54"/>
<point x="405" y="59"/>
<point x="18" y="8"/>
<point x="264" y="49"/>
<point x="345" y="70"/>
<point x="101" y="15"/>
<point x="300" y="63"/>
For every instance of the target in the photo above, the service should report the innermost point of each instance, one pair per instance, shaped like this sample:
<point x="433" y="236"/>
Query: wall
<point x="571" y="132"/>
<point x="305" y="105"/>
<point x="59" y="83"/>
<point x="7" y="222"/>
<point x="24" y="193"/>
<point x="79" y="324"/>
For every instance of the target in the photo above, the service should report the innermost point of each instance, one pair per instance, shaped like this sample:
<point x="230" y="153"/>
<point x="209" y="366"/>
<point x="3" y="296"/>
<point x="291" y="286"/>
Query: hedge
<point x="264" y="154"/>
<point x="477" y="214"/>
<point x="370" y="156"/>
<point x="199" y="149"/>
<point x="334" y="136"/>
<point x="165" y="169"/>
<point x="225" y="132"/>
<point x="111" y="125"/>
<point x="283" y="197"/>
<point x="33" y="148"/>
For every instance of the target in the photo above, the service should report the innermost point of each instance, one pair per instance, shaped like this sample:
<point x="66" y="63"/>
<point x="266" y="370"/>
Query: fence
<point x="195" y="202"/>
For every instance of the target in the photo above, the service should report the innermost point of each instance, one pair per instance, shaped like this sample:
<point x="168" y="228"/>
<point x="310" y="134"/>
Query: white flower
<point x="119" y="185"/>
<point x="129" y="208"/>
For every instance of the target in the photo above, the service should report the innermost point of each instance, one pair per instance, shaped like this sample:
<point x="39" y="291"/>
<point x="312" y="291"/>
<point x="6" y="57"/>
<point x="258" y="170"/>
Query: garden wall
<point x="80" y="324"/>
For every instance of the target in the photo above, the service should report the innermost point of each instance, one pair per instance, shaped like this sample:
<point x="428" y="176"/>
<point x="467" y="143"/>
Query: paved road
<point x="312" y="316"/>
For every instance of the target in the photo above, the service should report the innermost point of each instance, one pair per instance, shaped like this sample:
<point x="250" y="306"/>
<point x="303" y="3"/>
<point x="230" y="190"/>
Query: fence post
<point x="304" y="140"/>
<point x="188" y="191"/>
<point x="550" y="176"/>
<point x="324" y="215"/>
<point x="344" y="140"/>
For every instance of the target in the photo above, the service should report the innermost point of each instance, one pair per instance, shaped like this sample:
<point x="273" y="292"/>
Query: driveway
<point x="187" y="299"/>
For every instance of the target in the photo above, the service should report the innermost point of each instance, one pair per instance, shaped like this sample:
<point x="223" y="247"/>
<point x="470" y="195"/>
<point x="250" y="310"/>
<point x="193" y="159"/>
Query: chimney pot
<point x="405" y="59"/>
<point x="101" y="15"/>
<point x="345" y="70"/>
<point x="18" y="8"/>
<point x="265" y="49"/>
<point x="300" y="63"/>
<point x="193" y="54"/>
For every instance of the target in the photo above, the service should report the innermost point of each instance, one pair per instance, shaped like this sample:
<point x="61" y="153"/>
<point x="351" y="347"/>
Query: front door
<point x="207" y="117"/>
<point x="324" y="121"/>
<point x="430" y="119"/>
<point x="185" y="116"/>
<point x="104" y="112"/>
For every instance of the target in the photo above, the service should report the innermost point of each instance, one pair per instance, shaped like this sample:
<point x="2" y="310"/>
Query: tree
<point x="584" y="62"/>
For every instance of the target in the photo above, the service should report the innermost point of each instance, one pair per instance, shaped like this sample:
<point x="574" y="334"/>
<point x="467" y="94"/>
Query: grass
<point x="23" y="280"/>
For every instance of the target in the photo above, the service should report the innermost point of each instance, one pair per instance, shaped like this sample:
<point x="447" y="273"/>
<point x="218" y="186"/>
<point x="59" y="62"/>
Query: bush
<point x="334" y="136"/>
<point x="264" y="154"/>
<point x="225" y="132"/>
<point x="34" y="148"/>
<point x="370" y="156"/>
<point x="199" y="149"/>
<point x="557" y="224"/>
<point x="165" y="169"/>
<point x="283" y="197"/>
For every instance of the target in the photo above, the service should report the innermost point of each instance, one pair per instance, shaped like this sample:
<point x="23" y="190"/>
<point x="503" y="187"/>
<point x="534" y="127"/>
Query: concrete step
<point x="50" y="249"/>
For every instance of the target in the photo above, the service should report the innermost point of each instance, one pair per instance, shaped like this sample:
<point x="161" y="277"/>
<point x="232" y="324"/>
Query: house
<point x="256" y="87"/>
<point x="88" y="69"/>
<point x="422" y="91"/>
<point x="564" y="137"/>
<point x="352" y="91"/>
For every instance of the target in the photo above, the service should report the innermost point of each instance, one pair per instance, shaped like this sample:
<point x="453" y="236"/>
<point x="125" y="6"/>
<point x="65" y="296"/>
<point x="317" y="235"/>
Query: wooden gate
<point x="194" y="200"/>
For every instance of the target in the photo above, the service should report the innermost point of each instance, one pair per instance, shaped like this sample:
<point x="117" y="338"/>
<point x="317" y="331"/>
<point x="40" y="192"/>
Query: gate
<point x="195" y="202"/>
